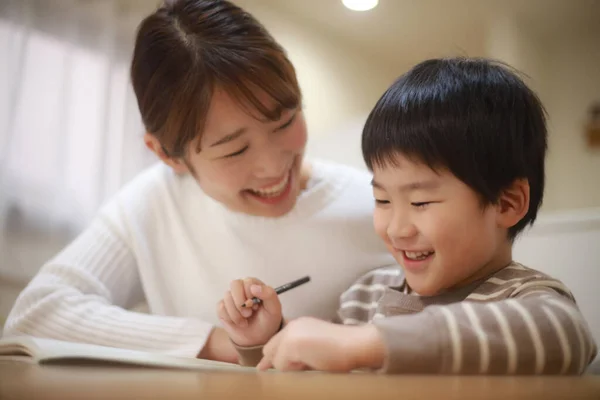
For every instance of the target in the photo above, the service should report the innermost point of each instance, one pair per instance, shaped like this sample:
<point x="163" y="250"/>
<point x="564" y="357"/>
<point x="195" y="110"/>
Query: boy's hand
<point x="250" y="326"/>
<point x="308" y="343"/>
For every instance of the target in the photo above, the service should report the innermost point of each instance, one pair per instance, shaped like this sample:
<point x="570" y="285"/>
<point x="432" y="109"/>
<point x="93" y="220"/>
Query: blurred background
<point x="71" y="135"/>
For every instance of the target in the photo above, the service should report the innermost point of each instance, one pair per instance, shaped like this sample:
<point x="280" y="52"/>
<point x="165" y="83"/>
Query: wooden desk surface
<point x="27" y="381"/>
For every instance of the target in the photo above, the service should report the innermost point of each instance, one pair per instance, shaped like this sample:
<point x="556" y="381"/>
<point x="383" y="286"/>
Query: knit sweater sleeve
<point x="82" y="295"/>
<point x="538" y="331"/>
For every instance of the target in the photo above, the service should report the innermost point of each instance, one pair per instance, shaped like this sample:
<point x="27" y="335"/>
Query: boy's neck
<point x="501" y="259"/>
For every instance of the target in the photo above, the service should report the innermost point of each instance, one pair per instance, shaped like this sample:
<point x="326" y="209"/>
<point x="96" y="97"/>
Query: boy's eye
<point x="237" y="153"/>
<point x="420" y="204"/>
<point x="378" y="201"/>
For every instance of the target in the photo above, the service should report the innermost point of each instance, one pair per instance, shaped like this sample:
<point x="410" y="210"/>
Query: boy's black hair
<point x="474" y="117"/>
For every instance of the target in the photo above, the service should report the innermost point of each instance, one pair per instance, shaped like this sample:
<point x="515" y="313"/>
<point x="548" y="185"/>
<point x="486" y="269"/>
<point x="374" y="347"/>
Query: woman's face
<point x="249" y="165"/>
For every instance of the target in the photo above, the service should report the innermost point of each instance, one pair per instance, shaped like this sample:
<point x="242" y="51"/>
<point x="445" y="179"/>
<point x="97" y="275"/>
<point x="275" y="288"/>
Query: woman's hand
<point x="309" y="343"/>
<point x="253" y="325"/>
<point x="218" y="347"/>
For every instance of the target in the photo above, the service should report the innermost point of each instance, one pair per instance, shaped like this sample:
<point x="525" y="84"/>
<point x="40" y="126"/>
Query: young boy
<point x="457" y="149"/>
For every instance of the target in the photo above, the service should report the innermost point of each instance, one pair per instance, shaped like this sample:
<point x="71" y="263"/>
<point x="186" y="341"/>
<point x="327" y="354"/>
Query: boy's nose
<point x="399" y="230"/>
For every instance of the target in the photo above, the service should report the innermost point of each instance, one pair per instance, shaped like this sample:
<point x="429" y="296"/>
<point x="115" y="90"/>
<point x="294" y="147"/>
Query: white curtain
<point x="70" y="130"/>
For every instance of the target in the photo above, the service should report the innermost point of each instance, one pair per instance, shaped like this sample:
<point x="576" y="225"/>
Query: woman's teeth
<point x="273" y="191"/>
<point x="417" y="255"/>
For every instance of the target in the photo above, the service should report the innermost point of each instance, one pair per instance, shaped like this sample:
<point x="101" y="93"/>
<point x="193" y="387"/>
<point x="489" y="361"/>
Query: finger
<point x="282" y="360"/>
<point x="278" y="353"/>
<point x="248" y="282"/>
<point x="264" y="364"/>
<point x="282" y="364"/>
<point x="233" y="312"/>
<point x="236" y="288"/>
<point x="270" y="348"/>
<point x="293" y="366"/>
<point x="223" y="314"/>
<point x="269" y="351"/>
<point x="225" y="319"/>
<point x="269" y="298"/>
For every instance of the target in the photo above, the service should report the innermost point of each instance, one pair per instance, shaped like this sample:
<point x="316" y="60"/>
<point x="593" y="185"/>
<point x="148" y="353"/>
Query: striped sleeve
<point x="538" y="331"/>
<point x="358" y="304"/>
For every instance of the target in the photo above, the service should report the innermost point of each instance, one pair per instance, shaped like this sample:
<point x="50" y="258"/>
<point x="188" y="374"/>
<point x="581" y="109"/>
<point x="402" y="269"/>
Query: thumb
<point x="270" y="300"/>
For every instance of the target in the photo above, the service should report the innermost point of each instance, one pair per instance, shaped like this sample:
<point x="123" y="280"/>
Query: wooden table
<point x="27" y="381"/>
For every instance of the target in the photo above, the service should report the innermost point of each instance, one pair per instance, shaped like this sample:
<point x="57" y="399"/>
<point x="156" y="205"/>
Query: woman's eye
<point x="237" y="153"/>
<point x="382" y="202"/>
<point x="420" y="204"/>
<point x="287" y="124"/>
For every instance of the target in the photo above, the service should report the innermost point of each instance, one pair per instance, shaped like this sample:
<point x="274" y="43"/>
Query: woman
<point x="233" y="197"/>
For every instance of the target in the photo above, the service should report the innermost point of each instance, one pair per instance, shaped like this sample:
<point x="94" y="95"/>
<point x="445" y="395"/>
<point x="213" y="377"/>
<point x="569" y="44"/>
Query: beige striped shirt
<point x="517" y="321"/>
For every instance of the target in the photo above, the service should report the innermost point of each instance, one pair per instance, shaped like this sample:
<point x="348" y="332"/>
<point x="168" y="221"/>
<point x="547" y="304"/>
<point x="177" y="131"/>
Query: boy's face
<point x="435" y="226"/>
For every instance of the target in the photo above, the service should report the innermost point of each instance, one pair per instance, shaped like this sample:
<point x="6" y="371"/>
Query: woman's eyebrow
<point x="228" y="138"/>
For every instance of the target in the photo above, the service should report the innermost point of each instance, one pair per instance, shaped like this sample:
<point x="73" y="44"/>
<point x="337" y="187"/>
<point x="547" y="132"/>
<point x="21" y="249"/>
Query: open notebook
<point x="49" y="351"/>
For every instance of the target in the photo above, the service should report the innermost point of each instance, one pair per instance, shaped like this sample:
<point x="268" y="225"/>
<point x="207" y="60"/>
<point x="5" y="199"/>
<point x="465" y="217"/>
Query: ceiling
<point x="429" y="27"/>
<point x="402" y="31"/>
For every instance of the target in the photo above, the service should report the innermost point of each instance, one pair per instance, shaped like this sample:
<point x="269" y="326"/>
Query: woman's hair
<point x="187" y="49"/>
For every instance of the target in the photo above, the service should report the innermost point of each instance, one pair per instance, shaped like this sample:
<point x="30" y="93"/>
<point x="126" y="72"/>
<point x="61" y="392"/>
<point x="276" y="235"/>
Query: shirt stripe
<point x="455" y="339"/>
<point x="511" y="345"/>
<point x="540" y="353"/>
<point x="484" y="349"/>
<point x="562" y="338"/>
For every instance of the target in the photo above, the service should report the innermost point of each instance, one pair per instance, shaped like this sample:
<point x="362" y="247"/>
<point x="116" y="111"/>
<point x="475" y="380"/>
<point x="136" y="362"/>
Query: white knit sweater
<point x="163" y="241"/>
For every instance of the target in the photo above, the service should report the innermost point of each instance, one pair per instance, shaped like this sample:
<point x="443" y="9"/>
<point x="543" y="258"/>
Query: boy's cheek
<point x="380" y="224"/>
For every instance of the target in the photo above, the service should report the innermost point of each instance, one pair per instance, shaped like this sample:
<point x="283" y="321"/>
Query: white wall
<point x="565" y="245"/>
<point x="563" y="67"/>
<point x="339" y="80"/>
<point x="573" y="83"/>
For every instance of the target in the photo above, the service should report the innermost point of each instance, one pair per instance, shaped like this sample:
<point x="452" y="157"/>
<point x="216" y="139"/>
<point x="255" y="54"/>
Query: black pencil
<point x="281" y="289"/>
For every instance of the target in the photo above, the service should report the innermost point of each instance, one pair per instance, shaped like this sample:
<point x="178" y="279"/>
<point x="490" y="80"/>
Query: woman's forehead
<point x="227" y="115"/>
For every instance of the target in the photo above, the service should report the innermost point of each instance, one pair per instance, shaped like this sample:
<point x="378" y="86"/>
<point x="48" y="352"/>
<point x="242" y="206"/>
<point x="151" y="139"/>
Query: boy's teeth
<point x="417" y="255"/>
<point x="274" y="190"/>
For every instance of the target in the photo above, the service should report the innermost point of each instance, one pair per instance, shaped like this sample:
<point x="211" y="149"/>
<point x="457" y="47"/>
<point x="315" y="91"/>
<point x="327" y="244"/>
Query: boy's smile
<point x="416" y="261"/>
<point x="435" y="226"/>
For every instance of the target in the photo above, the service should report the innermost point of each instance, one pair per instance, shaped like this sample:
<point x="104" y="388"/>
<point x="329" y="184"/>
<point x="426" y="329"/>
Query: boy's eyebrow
<point x="420" y="185"/>
<point x="375" y="184"/>
<point x="409" y="187"/>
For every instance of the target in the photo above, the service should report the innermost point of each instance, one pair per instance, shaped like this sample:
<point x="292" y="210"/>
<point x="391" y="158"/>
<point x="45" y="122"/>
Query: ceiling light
<point x="360" y="5"/>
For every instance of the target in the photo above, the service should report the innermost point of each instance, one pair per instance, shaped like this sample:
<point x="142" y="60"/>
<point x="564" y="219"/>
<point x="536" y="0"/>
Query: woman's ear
<point x="178" y="164"/>
<point x="513" y="203"/>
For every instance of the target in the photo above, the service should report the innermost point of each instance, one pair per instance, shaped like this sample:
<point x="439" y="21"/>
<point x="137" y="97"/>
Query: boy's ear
<point x="154" y="145"/>
<point x="513" y="203"/>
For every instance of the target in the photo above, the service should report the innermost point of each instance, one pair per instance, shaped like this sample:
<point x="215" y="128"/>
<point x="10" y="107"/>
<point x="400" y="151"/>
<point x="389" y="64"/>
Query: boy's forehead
<point x="401" y="165"/>
<point x="407" y="173"/>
